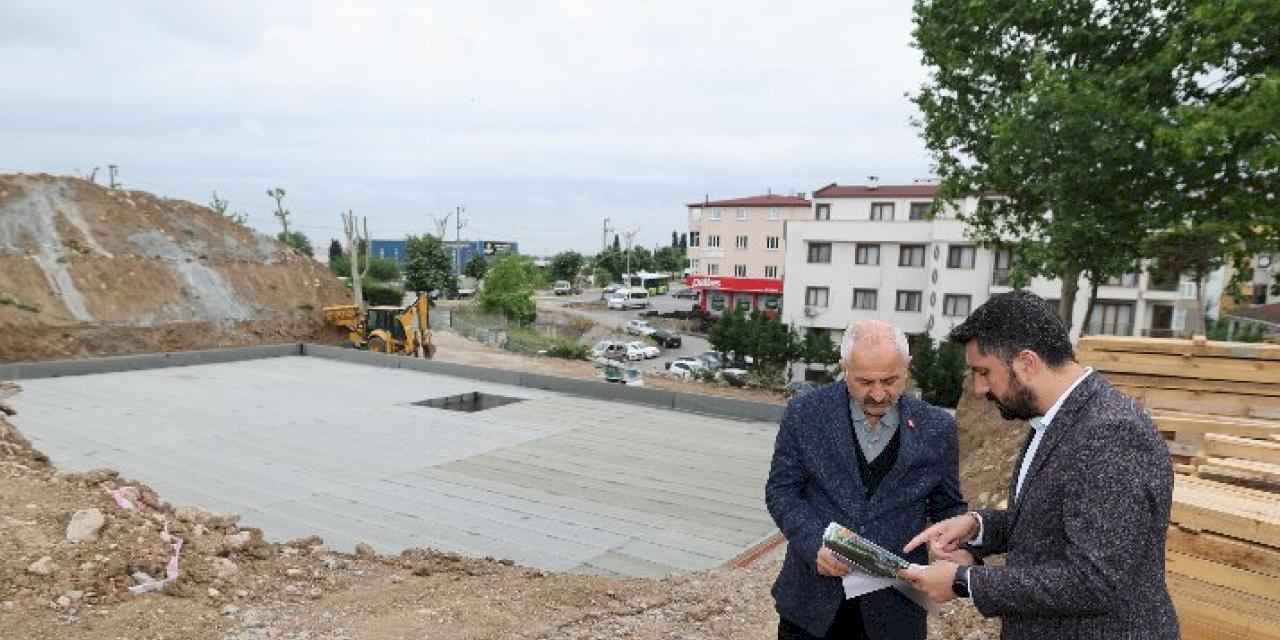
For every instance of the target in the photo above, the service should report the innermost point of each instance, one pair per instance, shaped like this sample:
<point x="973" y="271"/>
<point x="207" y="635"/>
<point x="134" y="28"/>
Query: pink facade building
<point x="737" y="248"/>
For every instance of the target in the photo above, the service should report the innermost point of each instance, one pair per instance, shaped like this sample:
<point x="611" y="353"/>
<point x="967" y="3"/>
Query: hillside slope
<point x="89" y="270"/>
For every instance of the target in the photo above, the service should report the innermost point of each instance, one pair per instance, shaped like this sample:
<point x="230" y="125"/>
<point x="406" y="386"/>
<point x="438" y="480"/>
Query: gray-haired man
<point x="861" y="454"/>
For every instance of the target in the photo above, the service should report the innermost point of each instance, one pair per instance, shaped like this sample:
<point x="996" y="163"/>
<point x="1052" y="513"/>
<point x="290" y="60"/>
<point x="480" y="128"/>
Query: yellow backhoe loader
<point x="404" y="331"/>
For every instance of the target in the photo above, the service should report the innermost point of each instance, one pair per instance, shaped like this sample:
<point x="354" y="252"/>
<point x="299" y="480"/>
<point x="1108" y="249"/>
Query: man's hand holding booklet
<point x="874" y="567"/>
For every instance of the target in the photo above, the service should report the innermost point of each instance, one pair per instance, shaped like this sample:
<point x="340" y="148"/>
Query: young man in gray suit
<point x="858" y="453"/>
<point x="1085" y="529"/>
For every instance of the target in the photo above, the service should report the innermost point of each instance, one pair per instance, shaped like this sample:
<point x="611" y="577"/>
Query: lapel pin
<point x="911" y="424"/>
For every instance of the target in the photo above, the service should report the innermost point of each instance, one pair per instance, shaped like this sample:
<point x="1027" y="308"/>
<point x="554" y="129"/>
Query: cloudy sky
<point x="541" y="118"/>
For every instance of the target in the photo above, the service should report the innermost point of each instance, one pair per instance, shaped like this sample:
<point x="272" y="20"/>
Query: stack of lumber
<point x="1218" y="406"/>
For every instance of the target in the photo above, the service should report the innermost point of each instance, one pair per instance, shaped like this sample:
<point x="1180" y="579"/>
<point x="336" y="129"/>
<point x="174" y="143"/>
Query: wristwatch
<point x="960" y="584"/>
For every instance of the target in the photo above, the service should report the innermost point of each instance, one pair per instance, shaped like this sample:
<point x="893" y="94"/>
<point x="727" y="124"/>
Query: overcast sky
<point x="541" y="118"/>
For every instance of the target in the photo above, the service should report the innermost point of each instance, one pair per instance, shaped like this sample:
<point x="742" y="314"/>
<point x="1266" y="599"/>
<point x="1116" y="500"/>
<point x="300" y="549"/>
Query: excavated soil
<point x="86" y="270"/>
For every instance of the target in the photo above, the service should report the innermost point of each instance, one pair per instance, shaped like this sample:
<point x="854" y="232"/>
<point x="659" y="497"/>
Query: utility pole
<point x="113" y="169"/>
<point x="458" y="220"/>
<point x="604" y="236"/>
<point x="630" y="235"/>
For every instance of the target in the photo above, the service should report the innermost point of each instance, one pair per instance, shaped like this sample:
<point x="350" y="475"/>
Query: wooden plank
<point x="1203" y="402"/>
<point x="1184" y="449"/>
<point x="1180" y="422"/>
<point x="1188" y="469"/>
<point x="1230" y="612"/>
<point x="1192" y="384"/>
<point x="1224" y="576"/>
<point x="1252" y="350"/>
<point x="1248" y="470"/>
<point x="1229" y="492"/>
<point x="1224" y="510"/>
<point x="1199" y="620"/>
<point x="1223" y="550"/>
<point x="1234" y="369"/>
<point x="1224" y="446"/>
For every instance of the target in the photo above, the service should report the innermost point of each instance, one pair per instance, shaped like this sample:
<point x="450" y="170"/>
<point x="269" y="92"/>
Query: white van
<point x="629" y="299"/>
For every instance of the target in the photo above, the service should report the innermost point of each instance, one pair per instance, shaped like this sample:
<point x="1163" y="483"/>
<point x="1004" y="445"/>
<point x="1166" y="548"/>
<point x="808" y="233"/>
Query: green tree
<point x="297" y="240"/>
<point x="728" y="334"/>
<point x="612" y="262"/>
<point x="427" y="266"/>
<point x="1057" y="107"/>
<point x="938" y="371"/>
<point x="383" y="269"/>
<point x="817" y="348"/>
<point x="335" y="249"/>
<point x="281" y="213"/>
<point x="617" y="244"/>
<point x="675" y="238"/>
<point x="476" y="267"/>
<point x="566" y="265"/>
<point x="508" y="289"/>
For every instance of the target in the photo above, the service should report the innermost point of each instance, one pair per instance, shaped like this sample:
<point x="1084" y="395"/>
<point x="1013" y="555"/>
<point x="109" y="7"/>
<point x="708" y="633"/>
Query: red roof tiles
<point x="834" y="190"/>
<point x="756" y="201"/>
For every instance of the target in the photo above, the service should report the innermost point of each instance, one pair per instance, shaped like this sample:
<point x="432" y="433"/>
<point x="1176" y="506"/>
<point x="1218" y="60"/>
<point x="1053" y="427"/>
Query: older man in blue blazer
<point x="859" y="453"/>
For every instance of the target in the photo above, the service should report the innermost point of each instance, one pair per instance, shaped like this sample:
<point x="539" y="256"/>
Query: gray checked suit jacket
<point x="814" y="480"/>
<point x="1085" y="540"/>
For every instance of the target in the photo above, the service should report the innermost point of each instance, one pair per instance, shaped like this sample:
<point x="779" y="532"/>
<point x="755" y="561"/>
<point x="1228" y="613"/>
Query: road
<point x="691" y="345"/>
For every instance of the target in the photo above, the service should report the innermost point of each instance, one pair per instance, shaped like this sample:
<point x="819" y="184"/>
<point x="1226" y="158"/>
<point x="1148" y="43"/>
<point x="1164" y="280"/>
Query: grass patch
<point x="14" y="302"/>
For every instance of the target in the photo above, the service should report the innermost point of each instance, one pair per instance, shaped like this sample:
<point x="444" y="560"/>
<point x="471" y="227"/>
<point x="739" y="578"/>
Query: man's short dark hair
<point x="1010" y="323"/>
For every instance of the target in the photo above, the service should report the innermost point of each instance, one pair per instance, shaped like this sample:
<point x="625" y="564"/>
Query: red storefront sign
<point x="727" y="283"/>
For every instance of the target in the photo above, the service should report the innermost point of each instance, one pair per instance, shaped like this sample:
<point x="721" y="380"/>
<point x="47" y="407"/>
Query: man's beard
<point x="1021" y="403"/>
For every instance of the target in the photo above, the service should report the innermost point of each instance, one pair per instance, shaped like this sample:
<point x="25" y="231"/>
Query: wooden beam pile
<point x="1218" y="405"/>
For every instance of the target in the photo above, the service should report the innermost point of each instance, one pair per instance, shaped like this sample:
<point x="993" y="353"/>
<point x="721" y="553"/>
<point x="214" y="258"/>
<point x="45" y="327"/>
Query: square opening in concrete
<point x="468" y="402"/>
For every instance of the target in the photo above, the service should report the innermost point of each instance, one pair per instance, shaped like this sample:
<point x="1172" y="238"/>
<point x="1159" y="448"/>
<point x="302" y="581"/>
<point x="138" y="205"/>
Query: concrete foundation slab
<point x="336" y="447"/>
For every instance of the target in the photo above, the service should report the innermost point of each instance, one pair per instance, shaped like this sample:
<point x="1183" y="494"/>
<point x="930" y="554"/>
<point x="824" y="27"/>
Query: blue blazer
<point x="814" y="480"/>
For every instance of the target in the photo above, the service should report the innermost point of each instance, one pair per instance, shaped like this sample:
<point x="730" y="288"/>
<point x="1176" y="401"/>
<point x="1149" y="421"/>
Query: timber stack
<point x="1217" y="404"/>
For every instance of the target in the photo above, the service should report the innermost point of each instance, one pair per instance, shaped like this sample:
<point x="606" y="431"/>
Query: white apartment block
<point x="877" y="252"/>
<point x="736" y="250"/>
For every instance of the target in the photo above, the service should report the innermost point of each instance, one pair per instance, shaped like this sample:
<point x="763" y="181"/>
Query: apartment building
<point x="736" y="250"/>
<point x="886" y="252"/>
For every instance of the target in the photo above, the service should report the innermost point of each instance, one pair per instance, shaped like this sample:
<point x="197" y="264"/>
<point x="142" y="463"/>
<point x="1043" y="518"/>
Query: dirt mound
<point x="989" y="447"/>
<point x="98" y="267"/>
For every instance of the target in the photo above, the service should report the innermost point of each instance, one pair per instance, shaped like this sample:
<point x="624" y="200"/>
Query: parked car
<point x="598" y="350"/>
<point x="648" y="350"/>
<point x="640" y="328"/>
<point x="735" y="377"/>
<point x="563" y="288"/>
<point x="635" y="351"/>
<point x="666" y="339"/>
<point x="685" y="367"/>
<point x="691" y="294"/>
<point x="629" y="299"/>
<point x="711" y="360"/>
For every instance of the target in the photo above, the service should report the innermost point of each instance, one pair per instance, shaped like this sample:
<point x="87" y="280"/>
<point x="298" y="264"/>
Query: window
<point x="742" y="302"/>
<point x="864" y="299"/>
<point x="740" y="270"/>
<point x="911" y="255"/>
<point x="866" y="254"/>
<point x="956" y="305"/>
<point x="774" y="214"/>
<point x="771" y="271"/>
<point x="695" y="213"/>
<point x="822" y="212"/>
<point x="908" y="301"/>
<point x="881" y="210"/>
<point x="742" y="213"/>
<point x="919" y="211"/>
<point x="771" y="302"/>
<point x="715" y="214"/>
<point x="772" y="243"/>
<point x="1259" y="294"/>
<point x="820" y="253"/>
<point x="740" y="242"/>
<point x="1112" y="319"/>
<point x="815" y="296"/>
<point x="693" y="264"/>
<point x="713" y="241"/>
<point x="1003" y="267"/>
<point x="695" y="238"/>
<point x="717" y="301"/>
<point x="1125" y="280"/>
<point x="961" y="257"/>
<point x="713" y="268"/>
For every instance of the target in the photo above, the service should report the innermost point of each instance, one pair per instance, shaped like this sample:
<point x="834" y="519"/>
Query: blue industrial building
<point x="460" y="251"/>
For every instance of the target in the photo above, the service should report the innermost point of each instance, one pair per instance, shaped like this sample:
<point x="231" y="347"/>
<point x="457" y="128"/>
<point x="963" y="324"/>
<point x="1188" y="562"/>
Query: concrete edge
<point x="599" y="390"/>
<point x="138" y="362"/>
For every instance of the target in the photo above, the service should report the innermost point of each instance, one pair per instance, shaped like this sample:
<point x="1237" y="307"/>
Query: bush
<point x="379" y="294"/>
<point x="569" y="350"/>
<point x="938" y="370"/>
